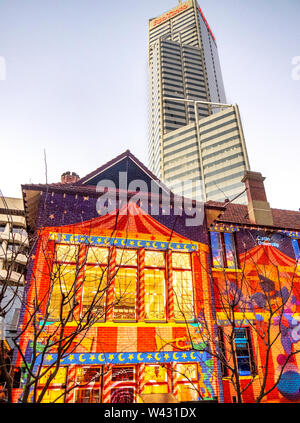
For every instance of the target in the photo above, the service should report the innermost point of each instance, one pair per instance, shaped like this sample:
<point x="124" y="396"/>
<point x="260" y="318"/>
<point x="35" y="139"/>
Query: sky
<point x="73" y="85"/>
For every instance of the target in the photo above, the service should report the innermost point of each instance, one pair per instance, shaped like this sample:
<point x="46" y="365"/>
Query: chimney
<point x="259" y="209"/>
<point x="69" y="178"/>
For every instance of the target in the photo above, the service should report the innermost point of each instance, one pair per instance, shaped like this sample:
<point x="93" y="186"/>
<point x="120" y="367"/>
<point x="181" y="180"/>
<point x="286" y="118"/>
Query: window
<point x="156" y="379"/>
<point x="223" y="250"/>
<point x="94" y="292"/>
<point x="89" y="380"/>
<point x="66" y="253"/>
<point x="122" y="396"/>
<point x="183" y="286"/>
<point x="245" y="359"/>
<point x="122" y="374"/>
<point x="296" y="245"/>
<point x="155" y="281"/>
<point x="95" y="283"/>
<point x="187" y="377"/>
<point x="18" y="230"/>
<point x="55" y="391"/>
<point x="124" y="391"/>
<point x="2" y="227"/>
<point x="13" y="266"/>
<point x="63" y="280"/>
<point x="125" y="285"/>
<point x="14" y="248"/>
<point x="62" y="295"/>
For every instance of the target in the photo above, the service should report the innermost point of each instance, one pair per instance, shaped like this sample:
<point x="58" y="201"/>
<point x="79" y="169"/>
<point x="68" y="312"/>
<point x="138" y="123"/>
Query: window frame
<point x="97" y="386"/>
<point x="182" y="270"/>
<point x="250" y="357"/>
<point x="296" y="246"/>
<point x="57" y="262"/>
<point x="194" y="382"/>
<point x="126" y="384"/>
<point x="132" y="267"/>
<point x="159" y="268"/>
<point x="224" y="264"/>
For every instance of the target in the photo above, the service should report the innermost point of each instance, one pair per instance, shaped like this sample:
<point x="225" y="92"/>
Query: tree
<point x="13" y="259"/>
<point x="257" y="305"/>
<point x="67" y="294"/>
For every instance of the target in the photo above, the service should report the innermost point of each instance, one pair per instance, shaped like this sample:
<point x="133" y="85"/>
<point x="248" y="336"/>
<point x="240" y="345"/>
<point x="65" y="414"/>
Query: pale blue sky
<point x="77" y="85"/>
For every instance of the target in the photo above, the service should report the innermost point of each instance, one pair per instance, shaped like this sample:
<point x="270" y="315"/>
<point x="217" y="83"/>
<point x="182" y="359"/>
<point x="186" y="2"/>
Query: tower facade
<point x="185" y="87"/>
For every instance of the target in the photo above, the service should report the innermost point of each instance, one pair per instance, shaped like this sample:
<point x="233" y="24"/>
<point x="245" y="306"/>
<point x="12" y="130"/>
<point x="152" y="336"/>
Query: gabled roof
<point x="238" y="214"/>
<point x="124" y="161"/>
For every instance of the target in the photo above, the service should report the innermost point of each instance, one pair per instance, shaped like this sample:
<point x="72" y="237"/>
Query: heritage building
<point x="131" y="302"/>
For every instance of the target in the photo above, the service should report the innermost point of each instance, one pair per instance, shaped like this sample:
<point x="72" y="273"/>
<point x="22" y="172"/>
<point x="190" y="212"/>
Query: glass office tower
<point x="184" y="68"/>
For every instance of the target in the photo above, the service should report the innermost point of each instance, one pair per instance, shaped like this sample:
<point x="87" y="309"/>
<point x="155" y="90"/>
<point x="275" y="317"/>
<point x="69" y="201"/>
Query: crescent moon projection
<point x="120" y="357"/>
<point x="81" y="359"/>
<point x="175" y="356"/>
<point x="192" y="356"/>
<point x="138" y="357"/>
<point x="139" y="244"/>
<point x="156" y="357"/>
<point x="100" y="357"/>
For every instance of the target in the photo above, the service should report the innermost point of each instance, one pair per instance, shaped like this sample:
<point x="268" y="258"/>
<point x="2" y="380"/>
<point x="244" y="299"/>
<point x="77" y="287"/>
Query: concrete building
<point x="188" y="111"/>
<point x="13" y="259"/>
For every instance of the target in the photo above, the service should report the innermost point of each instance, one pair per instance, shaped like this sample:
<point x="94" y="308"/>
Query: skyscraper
<point x="193" y="134"/>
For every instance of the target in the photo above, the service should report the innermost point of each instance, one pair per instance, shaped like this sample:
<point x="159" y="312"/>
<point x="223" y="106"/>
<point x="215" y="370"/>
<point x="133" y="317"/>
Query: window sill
<point x="124" y="320"/>
<point x="225" y="269"/>
<point x="241" y="377"/>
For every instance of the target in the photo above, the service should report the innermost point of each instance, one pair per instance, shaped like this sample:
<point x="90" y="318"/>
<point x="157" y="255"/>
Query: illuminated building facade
<point x="155" y="283"/>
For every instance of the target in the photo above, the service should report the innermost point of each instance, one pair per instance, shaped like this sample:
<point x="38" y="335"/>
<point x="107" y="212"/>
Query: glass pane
<point x="230" y="251"/>
<point x="88" y="374"/>
<point x="97" y="255"/>
<point x="87" y="396"/>
<point x="186" y="372"/>
<point x="122" y="374"/>
<point x="240" y="333"/>
<point x="187" y="392"/>
<point x="216" y="248"/>
<point x="66" y="253"/>
<point x="64" y="278"/>
<point x="155" y="294"/>
<point x="295" y="243"/>
<point x="183" y="295"/>
<point x="94" y="291"/>
<point x="125" y="293"/>
<point x="59" y="379"/>
<point x="154" y="259"/>
<point x="53" y="396"/>
<point x="244" y="366"/>
<point x="126" y="257"/>
<point x="154" y="374"/>
<point x="122" y="395"/>
<point x="162" y="388"/>
<point x="181" y="261"/>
